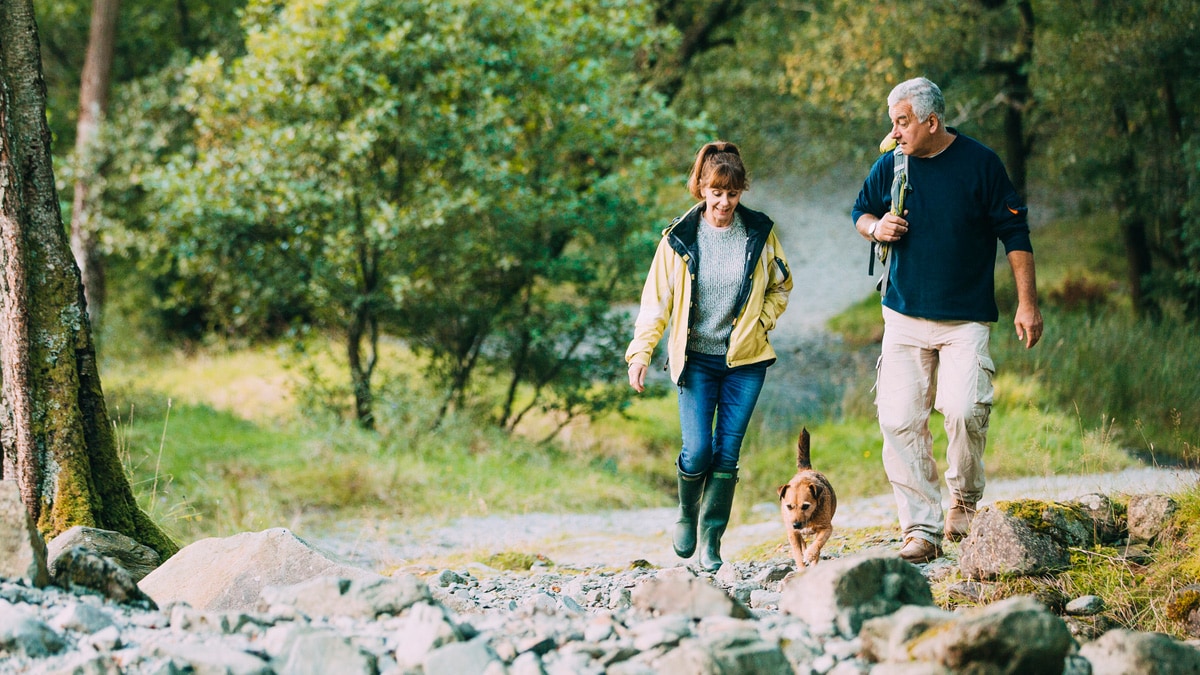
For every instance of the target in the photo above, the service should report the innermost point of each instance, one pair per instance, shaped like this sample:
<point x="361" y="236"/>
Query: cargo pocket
<point x="984" y="391"/>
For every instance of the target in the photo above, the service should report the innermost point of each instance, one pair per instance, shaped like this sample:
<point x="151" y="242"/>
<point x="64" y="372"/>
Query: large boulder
<point x="1120" y="651"/>
<point x="838" y="595"/>
<point x="1016" y="636"/>
<point x="229" y="573"/>
<point x="1023" y="538"/>
<point x="690" y="596"/>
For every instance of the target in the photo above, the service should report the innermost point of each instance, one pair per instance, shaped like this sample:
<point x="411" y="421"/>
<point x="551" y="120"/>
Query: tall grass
<point x="211" y="451"/>
<point x="1138" y="377"/>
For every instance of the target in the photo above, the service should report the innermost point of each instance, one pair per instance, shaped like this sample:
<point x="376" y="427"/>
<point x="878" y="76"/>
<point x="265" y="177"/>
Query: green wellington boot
<point x="714" y="517"/>
<point x="691" y="488"/>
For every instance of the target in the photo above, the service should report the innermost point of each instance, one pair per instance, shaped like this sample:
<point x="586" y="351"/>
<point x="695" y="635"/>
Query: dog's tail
<point x="803" y="460"/>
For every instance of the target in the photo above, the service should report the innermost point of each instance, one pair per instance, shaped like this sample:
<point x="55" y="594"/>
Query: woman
<point x="721" y="280"/>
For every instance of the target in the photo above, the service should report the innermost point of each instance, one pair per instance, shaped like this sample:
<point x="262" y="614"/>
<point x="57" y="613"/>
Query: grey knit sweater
<point x="718" y="279"/>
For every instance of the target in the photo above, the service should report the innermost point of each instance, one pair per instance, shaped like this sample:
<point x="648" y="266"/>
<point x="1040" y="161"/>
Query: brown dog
<point x="807" y="503"/>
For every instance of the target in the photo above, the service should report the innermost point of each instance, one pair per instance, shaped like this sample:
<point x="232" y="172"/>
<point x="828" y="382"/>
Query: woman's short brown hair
<point x="718" y="165"/>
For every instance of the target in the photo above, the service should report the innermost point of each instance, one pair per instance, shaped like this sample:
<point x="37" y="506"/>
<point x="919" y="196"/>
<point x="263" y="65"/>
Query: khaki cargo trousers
<point x="933" y="365"/>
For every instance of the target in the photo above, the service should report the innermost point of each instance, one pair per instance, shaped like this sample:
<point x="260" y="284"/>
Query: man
<point x="938" y="306"/>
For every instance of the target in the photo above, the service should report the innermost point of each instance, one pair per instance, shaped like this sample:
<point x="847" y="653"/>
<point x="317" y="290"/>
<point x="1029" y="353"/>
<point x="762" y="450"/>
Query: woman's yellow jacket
<point x="671" y="285"/>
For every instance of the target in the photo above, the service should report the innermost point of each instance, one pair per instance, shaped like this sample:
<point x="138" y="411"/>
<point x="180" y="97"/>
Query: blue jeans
<point x="711" y="390"/>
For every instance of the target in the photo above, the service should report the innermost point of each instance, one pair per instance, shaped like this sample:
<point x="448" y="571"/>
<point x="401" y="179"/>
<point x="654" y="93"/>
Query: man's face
<point x="914" y="137"/>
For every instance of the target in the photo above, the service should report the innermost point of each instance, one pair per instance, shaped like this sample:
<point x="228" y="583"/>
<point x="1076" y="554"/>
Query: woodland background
<point x="432" y="216"/>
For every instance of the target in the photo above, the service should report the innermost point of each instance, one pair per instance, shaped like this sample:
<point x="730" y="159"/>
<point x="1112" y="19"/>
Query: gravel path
<point x="828" y="261"/>
<point x="616" y="538"/>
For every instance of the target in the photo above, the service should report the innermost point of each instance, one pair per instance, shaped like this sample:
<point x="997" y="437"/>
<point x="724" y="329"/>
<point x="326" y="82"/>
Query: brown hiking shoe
<point x="917" y="550"/>
<point x="958" y="520"/>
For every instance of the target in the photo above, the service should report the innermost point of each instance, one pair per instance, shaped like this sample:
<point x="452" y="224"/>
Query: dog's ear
<point x="783" y="490"/>
<point x="816" y="490"/>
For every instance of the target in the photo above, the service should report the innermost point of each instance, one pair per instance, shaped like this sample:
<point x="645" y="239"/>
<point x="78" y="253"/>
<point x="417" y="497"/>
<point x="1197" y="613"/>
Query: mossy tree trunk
<point x="58" y="442"/>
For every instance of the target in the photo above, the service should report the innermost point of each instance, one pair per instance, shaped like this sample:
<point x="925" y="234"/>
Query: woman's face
<point x="719" y="205"/>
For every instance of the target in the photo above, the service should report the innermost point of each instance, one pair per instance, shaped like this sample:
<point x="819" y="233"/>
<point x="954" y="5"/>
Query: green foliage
<point x="843" y="61"/>
<point x="1115" y="124"/>
<point x="460" y="175"/>
<point x="150" y="34"/>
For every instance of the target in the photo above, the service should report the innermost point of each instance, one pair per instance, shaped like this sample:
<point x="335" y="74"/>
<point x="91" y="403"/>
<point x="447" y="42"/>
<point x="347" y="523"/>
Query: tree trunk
<point x="1132" y="220"/>
<point x="93" y="105"/>
<point x="697" y="23"/>
<point x="1014" y="66"/>
<point x="57" y="437"/>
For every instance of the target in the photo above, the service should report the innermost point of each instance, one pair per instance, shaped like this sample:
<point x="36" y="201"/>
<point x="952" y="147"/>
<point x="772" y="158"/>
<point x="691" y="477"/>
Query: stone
<point x="885" y="638"/>
<point x="22" y="633"/>
<point x="336" y="596"/>
<point x="1002" y="543"/>
<point x="319" y="653"/>
<point x="229" y="573"/>
<point x="81" y="570"/>
<point x="1086" y="605"/>
<point x="135" y="558"/>
<point x="1149" y="516"/>
<point x="1109" y="525"/>
<point x="1119" y="652"/>
<point x="838" y="595"/>
<point x="690" y="596"/>
<point x="22" y="550"/>
<point x="1015" y="635"/>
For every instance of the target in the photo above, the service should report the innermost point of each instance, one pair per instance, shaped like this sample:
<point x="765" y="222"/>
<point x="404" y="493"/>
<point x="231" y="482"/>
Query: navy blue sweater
<point x="961" y="204"/>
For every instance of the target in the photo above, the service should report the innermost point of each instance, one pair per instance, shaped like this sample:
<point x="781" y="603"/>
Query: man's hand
<point x="891" y="228"/>
<point x="1029" y="325"/>
<point x="637" y="377"/>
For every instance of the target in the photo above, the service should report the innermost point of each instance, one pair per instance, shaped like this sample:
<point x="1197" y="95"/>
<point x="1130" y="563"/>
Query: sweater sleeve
<point x="875" y="196"/>
<point x="1007" y="211"/>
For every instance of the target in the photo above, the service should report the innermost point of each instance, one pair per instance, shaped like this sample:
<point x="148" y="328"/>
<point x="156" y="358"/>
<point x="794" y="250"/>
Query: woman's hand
<point x="637" y="377"/>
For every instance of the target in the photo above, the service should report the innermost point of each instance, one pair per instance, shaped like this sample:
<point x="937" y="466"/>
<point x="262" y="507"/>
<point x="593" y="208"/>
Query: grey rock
<point x="1085" y="605"/>
<point x="200" y="657"/>
<point x="1017" y="635"/>
<point x="690" y="596"/>
<point x="460" y="658"/>
<point x="229" y="573"/>
<point x="1000" y="543"/>
<point x="885" y="638"/>
<point x="319" y="653"/>
<point x="22" y="550"/>
<point x="1149" y="516"/>
<point x="82" y="618"/>
<point x="23" y="633"/>
<point x="1108" y="525"/>
<point x="135" y="558"/>
<point x="336" y="596"/>
<point x="1119" y="652"/>
<point x="838" y="595"/>
<point x="81" y="570"/>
